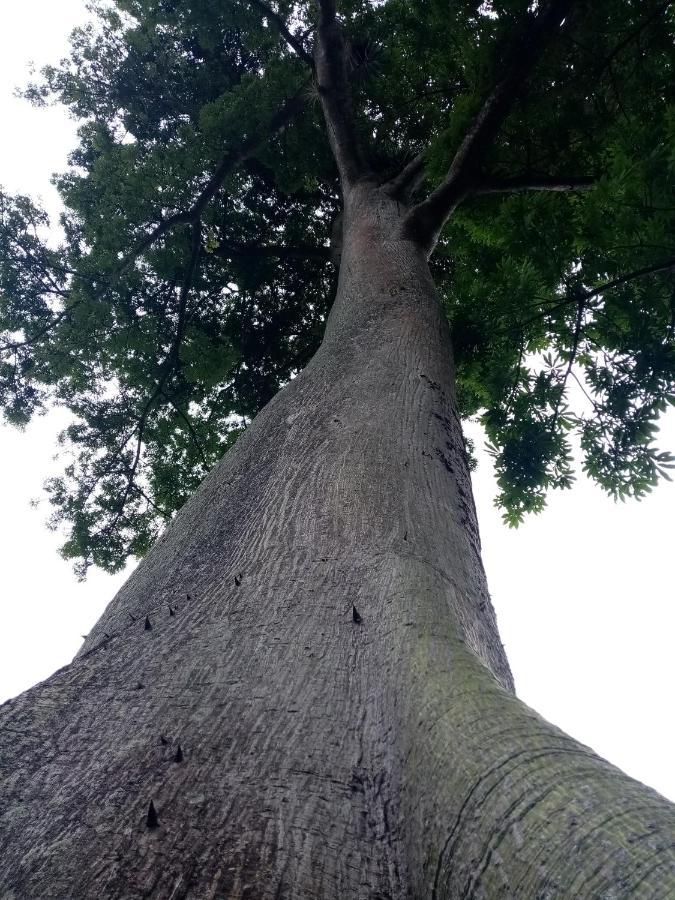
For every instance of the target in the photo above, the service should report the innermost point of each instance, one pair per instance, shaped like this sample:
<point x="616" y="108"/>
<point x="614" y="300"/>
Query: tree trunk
<point x="314" y="632"/>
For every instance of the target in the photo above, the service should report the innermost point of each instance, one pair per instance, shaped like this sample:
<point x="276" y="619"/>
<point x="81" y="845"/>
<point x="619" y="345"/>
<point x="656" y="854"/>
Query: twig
<point x="578" y="322"/>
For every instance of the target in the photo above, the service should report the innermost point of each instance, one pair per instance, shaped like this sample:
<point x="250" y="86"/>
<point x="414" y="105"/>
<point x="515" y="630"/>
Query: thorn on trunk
<point x="237" y="579"/>
<point x="405" y="535"/>
<point x="172" y="612"/>
<point x="163" y="741"/>
<point x="356" y="618"/>
<point x="179" y="755"/>
<point x="147" y="625"/>
<point x="152" y="820"/>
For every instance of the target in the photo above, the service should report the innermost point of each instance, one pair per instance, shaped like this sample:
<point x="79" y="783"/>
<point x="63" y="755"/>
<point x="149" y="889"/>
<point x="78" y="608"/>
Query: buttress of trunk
<point x="328" y="712"/>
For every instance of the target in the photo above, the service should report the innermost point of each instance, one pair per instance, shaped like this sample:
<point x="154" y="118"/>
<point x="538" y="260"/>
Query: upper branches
<point x="183" y="133"/>
<point x="189" y="216"/>
<point x="234" y="158"/>
<point x="426" y="220"/>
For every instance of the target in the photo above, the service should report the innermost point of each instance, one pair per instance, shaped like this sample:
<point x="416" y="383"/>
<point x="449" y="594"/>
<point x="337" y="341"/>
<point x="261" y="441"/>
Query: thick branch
<point x="426" y="220"/>
<point x="334" y="90"/>
<point x="410" y="178"/>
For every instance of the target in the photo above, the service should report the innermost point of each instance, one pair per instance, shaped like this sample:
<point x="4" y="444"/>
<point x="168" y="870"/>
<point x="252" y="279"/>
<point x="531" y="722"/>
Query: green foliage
<point x="162" y="355"/>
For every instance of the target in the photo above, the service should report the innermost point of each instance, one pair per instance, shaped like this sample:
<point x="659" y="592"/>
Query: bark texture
<point x="314" y="632"/>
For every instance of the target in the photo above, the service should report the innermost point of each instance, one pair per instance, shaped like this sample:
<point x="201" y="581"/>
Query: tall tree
<point x="301" y="691"/>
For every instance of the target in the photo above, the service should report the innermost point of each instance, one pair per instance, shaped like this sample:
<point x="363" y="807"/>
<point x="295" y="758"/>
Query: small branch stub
<point x="152" y="820"/>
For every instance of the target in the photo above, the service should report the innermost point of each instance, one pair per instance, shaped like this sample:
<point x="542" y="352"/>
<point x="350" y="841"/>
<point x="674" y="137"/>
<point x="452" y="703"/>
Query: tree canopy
<point x="200" y="238"/>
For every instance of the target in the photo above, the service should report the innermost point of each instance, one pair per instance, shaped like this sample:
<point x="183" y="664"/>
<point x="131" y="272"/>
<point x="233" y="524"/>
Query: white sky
<point x="583" y="592"/>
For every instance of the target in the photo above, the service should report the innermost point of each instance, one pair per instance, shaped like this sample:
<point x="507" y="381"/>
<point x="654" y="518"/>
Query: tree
<point x="301" y="692"/>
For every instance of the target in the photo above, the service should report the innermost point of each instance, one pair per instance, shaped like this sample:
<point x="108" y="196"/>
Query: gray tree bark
<point x="305" y="676"/>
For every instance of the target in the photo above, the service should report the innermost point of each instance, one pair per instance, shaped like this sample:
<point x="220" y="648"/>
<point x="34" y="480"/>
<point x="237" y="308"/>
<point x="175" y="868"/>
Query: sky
<point x="584" y="592"/>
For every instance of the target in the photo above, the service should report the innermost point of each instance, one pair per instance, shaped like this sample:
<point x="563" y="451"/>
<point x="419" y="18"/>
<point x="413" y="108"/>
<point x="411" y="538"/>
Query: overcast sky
<point x="583" y="592"/>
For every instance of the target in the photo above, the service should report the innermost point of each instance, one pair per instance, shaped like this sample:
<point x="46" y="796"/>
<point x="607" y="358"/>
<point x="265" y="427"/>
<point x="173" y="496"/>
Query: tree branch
<point x="16" y="345"/>
<point x="410" y="179"/>
<point x="425" y="221"/>
<point x="292" y="40"/>
<point x="524" y="183"/>
<point x="667" y="266"/>
<point x="290" y="109"/>
<point x="158" y="509"/>
<point x="578" y="323"/>
<point x="168" y="366"/>
<point x="632" y="35"/>
<point x="251" y="251"/>
<point x="335" y="94"/>
<point x="185" y="417"/>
